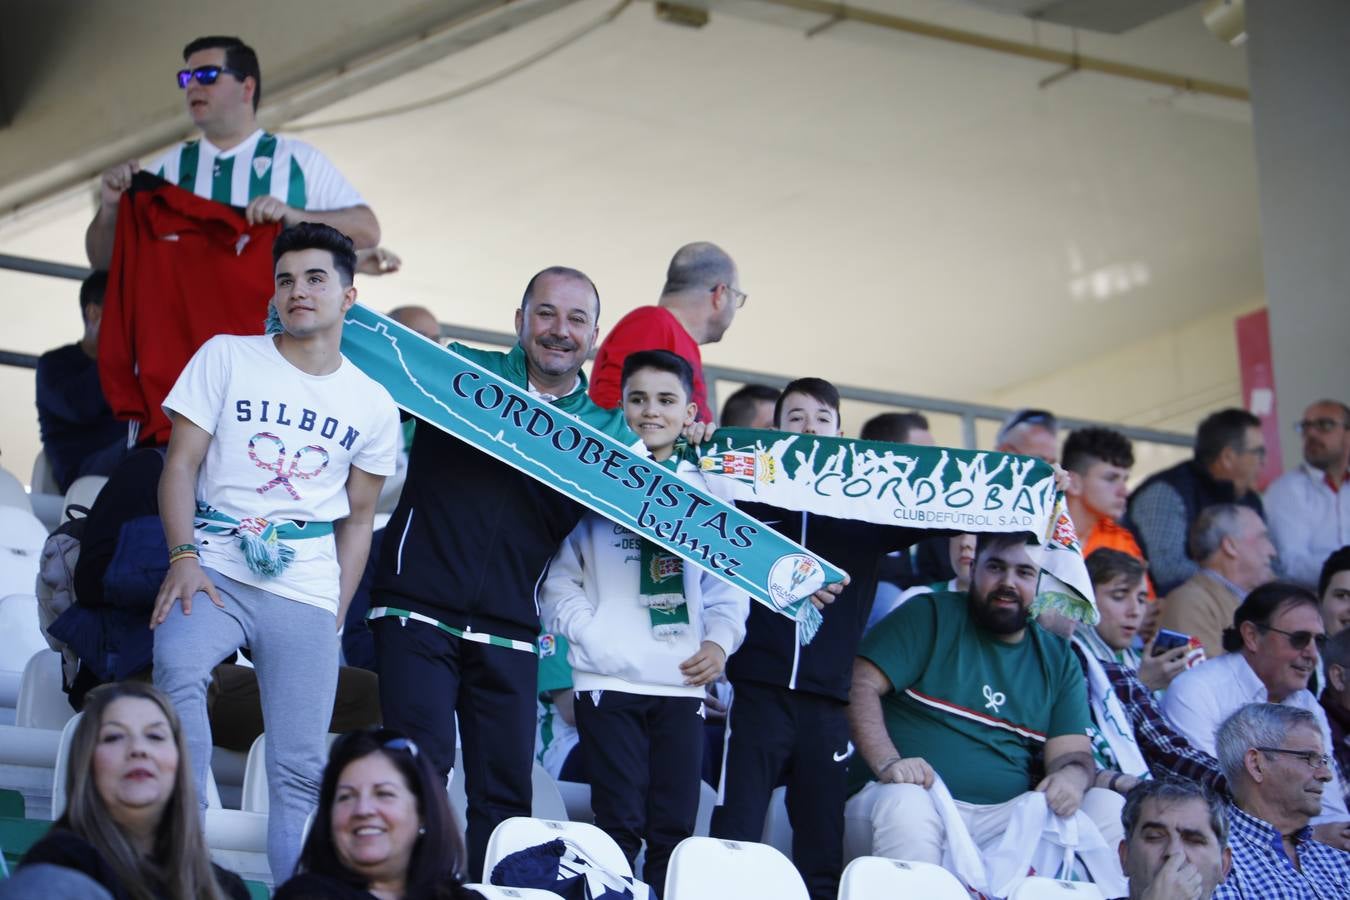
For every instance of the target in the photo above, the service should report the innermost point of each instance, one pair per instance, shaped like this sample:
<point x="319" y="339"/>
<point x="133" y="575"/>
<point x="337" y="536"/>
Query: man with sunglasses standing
<point x="1272" y="652"/>
<point x="1309" y="506"/>
<point x="697" y="305"/>
<point x="1275" y="759"/>
<point x="274" y="179"/>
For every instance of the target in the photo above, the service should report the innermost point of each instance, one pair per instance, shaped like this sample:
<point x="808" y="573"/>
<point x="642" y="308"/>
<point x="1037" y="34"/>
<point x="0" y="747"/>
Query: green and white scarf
<point x="661" y="579"/>
<point x="260" y="540"/>
<point x="588" y="454"/>
<point x="921" y="487"/>
<point x="661" y="590"/>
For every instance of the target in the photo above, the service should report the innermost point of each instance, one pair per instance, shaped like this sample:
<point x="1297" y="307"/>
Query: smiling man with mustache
<point x="1273" y="649"/>
<point x="453" y="613"/>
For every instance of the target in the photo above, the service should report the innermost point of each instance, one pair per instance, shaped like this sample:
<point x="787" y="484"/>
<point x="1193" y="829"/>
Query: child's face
<point x="657" y="408"/>
<point x="804" y="414"/>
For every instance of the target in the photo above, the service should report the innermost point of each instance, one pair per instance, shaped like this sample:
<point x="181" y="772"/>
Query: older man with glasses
<point x="1272" y="652"/>
<point x="1275" y="758"/>
<point x="697" y="305"/>
<point x="1309" y="506"/>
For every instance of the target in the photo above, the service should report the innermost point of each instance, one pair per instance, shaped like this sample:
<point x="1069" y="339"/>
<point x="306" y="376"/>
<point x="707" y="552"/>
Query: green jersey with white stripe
<point x="262" y="165"/>
<point x="979" y="710"/>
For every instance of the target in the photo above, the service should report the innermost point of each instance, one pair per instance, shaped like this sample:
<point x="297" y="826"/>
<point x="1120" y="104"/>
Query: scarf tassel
<point x="266" y="556"/>
<point x="809" y="621"/>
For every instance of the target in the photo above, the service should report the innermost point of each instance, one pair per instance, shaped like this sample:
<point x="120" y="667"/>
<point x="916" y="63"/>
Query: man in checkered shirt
<point x="1277" y="766"/>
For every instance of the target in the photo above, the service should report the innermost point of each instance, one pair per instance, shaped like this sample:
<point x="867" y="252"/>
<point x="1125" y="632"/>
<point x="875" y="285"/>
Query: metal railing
<point x="968" y="413"/>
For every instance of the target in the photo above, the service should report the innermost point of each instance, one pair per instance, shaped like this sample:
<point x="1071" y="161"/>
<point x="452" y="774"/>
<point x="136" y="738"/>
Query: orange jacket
<point x="1111" y="534"/>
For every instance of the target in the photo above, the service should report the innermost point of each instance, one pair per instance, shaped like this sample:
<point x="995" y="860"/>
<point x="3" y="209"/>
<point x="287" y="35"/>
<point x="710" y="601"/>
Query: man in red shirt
<point x="697" y="305"/>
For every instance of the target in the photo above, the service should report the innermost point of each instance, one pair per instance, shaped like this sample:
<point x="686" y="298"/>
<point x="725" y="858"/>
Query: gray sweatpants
<point x="295" y="650"/>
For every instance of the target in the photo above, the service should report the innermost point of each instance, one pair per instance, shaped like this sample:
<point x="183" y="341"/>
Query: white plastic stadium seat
<point x="702" y="868"/>
<point x="21" y="540"/>
<point x="496" y="892"/>
<point x="42" y="480"/>
<point x="253" y="794"/>
<point x="1052" y="889"/>
<point x="27" y="756"/>
<point x="520" y="832"/>
<point x="20" y="638"/>
<point x="42" y="701"/>
<point x="84" y="490"/>
<point x="238" y="842"/>
<point x="874" y="876"/>
<point x="12" y="492"/>
<point x="62" y="764"/>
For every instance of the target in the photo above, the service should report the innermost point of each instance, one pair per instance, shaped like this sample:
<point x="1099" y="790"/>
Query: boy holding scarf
<point x="647" y="632"/>
<point x="788" y="721"/>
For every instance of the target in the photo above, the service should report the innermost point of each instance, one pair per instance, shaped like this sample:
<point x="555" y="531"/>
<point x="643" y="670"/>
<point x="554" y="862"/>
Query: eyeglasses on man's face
<point x="1299" y="639"/>
<point x="1325" y="426"/>
<point x="738" y="296"/>
<point x="206" y="75"/>
<point x="1314" y="760"/>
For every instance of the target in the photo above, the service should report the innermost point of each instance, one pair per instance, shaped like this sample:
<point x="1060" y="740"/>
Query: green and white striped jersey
<point x="290" y="170"/>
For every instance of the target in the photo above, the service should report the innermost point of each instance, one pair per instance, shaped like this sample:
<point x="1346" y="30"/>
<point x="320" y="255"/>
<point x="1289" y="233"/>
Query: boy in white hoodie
<point x="647" y="633"/>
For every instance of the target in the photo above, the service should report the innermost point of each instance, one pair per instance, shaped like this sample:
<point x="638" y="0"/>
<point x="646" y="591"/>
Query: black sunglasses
<point x="1031" y="417"/>
<point x="205" y="75"/>
<point x="387" y="738"/>
<point x="1298" y="639"/>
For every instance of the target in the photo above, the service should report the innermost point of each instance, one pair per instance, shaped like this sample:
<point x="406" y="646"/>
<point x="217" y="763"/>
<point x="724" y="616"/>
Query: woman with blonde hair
<point x="131" y="821"/>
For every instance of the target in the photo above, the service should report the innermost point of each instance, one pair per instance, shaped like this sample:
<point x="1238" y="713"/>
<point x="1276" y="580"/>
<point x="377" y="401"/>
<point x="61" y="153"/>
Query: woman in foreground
<point x="383" y="829"/>
<point x="131" y="822"/>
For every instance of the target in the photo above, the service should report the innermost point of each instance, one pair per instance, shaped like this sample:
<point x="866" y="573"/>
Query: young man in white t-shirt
<point x="278" y="451"/>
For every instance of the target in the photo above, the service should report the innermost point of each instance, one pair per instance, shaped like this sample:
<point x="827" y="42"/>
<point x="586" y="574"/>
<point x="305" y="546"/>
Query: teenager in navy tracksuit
<point x="452" y="610"/>
<point x="639" y="670"/>
<point x="788" y="721"/>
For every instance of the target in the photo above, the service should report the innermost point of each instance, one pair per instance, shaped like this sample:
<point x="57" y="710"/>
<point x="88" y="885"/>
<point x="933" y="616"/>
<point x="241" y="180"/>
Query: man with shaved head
<point x="1309" y="506"/>
<point x="419" y="319"/>
<point x="697" y="305"/>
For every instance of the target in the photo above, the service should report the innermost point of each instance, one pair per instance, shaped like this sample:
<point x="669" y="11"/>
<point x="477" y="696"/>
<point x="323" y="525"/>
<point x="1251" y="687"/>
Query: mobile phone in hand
<point x="1169" y="640"/>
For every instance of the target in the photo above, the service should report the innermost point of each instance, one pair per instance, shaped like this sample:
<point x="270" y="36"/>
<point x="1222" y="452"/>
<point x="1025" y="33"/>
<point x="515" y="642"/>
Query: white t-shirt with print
<point x="282" y="444"/>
